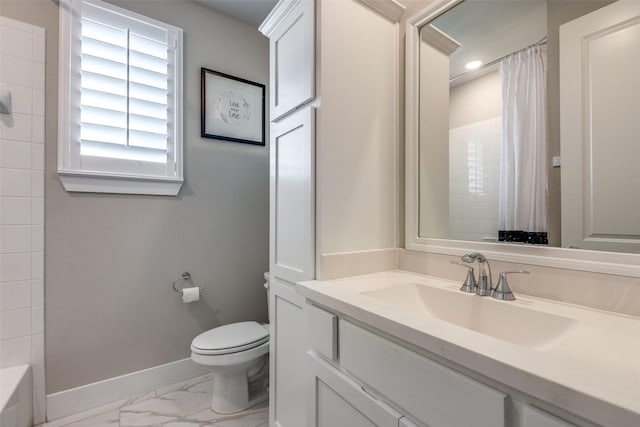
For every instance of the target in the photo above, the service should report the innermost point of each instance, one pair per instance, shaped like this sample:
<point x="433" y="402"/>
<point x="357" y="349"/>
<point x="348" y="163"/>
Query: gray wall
<point x="111" y="259"/>
<point x="476" y="100"/>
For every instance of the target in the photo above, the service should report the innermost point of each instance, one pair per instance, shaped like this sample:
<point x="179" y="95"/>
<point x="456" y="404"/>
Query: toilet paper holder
<point x="184" y="276"/>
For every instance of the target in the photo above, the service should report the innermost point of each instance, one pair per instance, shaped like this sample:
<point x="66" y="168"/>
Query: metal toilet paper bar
<point x="184" y="276"/>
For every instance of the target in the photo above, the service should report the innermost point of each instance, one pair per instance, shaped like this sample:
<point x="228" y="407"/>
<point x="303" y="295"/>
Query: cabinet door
<point x="292" y="223"/>
<point x="599" y="127"/>
<point x="335" y="400"/>
<point x="291" y="61"/>
<point x="288" y="340"/>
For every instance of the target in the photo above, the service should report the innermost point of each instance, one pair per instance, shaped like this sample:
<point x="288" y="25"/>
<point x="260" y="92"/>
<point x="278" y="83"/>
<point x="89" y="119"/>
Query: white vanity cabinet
<point x="533" y="417"/>
<point x="433" y="393"/>
<point x="292" y="56"/>
<point x="336" y="400"/>
<point x="328" y="83"/>
<point x="358" y="377"/>
<point x="291" y="197"/>
<point x="290" y="28"/>
<point x="292" y="258"/>
<point x="287" y="364"/>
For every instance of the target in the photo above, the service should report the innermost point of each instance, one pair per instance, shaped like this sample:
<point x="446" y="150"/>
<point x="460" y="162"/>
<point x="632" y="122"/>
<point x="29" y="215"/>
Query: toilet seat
<point x="232" y="338"/>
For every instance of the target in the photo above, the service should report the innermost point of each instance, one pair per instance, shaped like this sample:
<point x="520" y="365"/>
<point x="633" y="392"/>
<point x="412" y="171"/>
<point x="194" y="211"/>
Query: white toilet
<point x="238" y="356"/>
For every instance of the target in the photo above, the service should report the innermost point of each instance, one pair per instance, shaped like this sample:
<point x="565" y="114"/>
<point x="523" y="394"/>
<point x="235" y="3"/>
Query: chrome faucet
<point x="484" y="283"/>
<point x="502" y="290"/>
<point x="469" y="285"/>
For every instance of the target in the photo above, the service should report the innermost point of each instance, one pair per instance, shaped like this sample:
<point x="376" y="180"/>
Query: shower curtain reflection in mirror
<point x="523" y="206"/>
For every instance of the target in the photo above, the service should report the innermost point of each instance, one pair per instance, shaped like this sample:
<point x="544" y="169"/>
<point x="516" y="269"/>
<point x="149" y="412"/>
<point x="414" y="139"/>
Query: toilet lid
<point x="232" y="337"/>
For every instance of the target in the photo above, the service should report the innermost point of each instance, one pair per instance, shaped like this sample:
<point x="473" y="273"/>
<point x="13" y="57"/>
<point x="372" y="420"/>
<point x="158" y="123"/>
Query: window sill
<point x="93" y="182"/>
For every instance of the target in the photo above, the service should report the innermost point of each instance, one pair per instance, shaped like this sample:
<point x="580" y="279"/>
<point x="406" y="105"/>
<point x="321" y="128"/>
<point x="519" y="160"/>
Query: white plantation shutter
<point x="124" y="97"/>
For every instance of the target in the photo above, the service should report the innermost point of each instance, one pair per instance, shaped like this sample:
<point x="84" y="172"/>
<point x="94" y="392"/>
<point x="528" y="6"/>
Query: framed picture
<point x="232" y="109"/>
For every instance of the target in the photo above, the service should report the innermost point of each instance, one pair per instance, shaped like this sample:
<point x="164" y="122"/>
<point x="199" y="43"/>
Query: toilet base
<point x="240" y="379"/>
<point x="222" y="406"/>
<point x="234" y="393"/>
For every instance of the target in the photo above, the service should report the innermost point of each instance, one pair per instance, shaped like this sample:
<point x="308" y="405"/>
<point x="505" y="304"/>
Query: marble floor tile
<point x="97" y="412"/>
<point x="184" y="385"/>
<point x="111" y="418"/>
<point x="257" y="418"/>
<point x="167" y="407"/>
<point x="254" y="417"/>
<point x="186" y="404"/>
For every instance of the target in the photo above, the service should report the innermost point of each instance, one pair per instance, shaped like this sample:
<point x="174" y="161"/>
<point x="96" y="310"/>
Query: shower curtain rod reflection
<point x="540" y="42"/>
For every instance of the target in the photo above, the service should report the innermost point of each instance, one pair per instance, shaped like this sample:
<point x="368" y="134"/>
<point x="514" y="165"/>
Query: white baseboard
<point x="101" y="393"/>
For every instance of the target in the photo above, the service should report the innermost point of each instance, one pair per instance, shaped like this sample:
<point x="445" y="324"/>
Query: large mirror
<point x="526" y="124"/>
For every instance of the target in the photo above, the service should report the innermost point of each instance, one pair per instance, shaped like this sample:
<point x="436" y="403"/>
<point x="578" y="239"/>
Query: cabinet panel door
<point x="292" y="223"/>
<point x="287" y="356"/>
<point x="291" y="66"/>
<point x="335" y="400"/>
<point x="431" y="392"/>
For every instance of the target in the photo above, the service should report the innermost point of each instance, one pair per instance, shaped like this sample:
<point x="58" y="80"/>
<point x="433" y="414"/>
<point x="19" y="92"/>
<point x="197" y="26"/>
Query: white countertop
<point x="592" y="370"/>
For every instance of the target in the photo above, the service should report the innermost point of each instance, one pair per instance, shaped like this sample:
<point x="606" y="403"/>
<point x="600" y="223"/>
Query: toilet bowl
<point x="238" y="356"/>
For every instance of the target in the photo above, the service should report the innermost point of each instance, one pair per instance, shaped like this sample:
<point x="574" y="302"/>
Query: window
<point x="475" y="167"/>
<point x="120" y="112"/>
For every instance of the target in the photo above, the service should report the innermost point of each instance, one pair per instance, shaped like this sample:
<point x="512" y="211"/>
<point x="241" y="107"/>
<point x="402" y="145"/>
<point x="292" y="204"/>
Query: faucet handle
<point x="469" y="284"/>
<point x="502" y="290"/>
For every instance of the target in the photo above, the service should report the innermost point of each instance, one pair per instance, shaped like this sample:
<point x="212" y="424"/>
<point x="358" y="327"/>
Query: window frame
<point x="73" y="177"/>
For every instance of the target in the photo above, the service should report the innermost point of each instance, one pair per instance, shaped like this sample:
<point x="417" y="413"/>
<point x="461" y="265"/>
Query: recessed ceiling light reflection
<point x="473" y="65"/>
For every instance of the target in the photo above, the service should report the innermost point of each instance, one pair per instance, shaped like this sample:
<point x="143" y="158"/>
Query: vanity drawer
<point x="323" y="331"/>
<point x="433" y="393"/>
<point x="337" y="401"/>
<point x="404" y="422"/>
<point x="533" y="417"/>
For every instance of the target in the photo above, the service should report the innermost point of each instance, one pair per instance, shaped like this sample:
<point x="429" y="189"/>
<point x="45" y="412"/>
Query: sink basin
<point x="503" y="320"/>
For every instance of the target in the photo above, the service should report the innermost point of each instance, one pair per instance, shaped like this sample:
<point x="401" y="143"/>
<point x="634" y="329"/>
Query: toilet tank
<point x="266" y="286"/>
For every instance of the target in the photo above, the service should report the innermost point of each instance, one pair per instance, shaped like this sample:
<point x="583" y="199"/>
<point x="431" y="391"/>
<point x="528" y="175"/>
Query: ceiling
<point x="490" y="29"/>
<point x="250" y="11"/>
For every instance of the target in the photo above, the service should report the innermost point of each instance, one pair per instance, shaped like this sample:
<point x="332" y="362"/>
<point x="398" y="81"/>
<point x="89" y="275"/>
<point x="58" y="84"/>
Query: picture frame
<point x="232" y="109"/>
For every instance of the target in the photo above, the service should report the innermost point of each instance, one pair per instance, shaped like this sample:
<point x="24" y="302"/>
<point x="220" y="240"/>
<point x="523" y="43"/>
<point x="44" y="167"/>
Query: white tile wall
<point x="22" y="72"/>
<point x="15" y="323"/>
<point x="15" y="182"/>
<point x="15" y="210"/>
<point x="14" y="295"/>
<point x="37" y="348"/>
<point x="16" y="42"/>
<point x="16" y="71"/>
<point x="15" y="351"/>
<point x="15" y="239"/>
<point x="473" y="212"/>
<point x="21" y="99"/>
<point x="15" y="155"/>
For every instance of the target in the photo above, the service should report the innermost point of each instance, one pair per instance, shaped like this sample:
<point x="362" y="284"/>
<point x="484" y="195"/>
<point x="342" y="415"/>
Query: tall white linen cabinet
<point x="334" y="109"/>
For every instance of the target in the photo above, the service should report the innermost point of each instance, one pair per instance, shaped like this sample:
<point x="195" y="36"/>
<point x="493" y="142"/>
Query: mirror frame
<point x="624" y="264"/>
